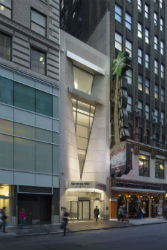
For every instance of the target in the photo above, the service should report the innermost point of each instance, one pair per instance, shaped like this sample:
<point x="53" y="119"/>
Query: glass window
<point x="156" y="115"/>
<point x="128" y="21"/>
<point x="44" y="103"/>
<point x="140" y="56"/>
<point x="140" y="30"/>
<point x="55" y="106"/>
<point x="155" y="66"/>
<point x="147" y="34"/>
<point x="43" y="157"/>
<point x="140" y="107"/>
<point x="43" y="135"/>
<point x="6" y="151"/>
<point x="159" y="169"/>
<point x="155" y="19"/>
<point x="5" y="8"/>
<point x="5" y="46"/>
<point x="128" y="47"/>
<point x="24" y="154"/>
<point x="38" y="61"/>
<point x="162" y="47"/>
<point x="118" y="13"/>
<point x="146" y="11"/>
<point x="147" y="86"/>
<point x="24" y="131"/>
<point x="140" y="82"/>
<point x="162" y="95"/>
<point x="156" y="42"/>
<point x="6" y="90"/>
<point x="129" y="104"/>
<point x="162" y="71"/>
<point x="6" y="127"/>
<point x="118" y="41"/>
<point x="38" y="22"/>
<point x="56" y="154"/>
<point x="163" y="118"/>
<point x="139" y="5"/>
<point x="147" y="61"/>
<point x="144" y="165"/>
<point x="24" y="96"/>
<point x="56" y="138"/>
<point x="156" y="91"/>
<point x="129" y="76"/>
<point x="147" y="112"/>
<point x="161" y="24"/>
<point x="83" y="80"/>
<point x="160" y="3"/>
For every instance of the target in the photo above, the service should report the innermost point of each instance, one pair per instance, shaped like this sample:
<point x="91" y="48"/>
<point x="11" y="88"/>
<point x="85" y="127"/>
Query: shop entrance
<point x="80" y="210"/>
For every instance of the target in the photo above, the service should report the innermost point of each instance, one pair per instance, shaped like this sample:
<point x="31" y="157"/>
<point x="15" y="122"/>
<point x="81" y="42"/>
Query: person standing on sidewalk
<point x="22" y="217"/>
<point x="96" y="213"/>
<point x="3" y="218"/>
<point x="65" y="221"/>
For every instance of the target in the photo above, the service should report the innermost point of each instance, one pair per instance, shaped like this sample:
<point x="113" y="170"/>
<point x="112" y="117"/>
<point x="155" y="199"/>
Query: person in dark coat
<point x="3" y="218"/>
<point x="96" y="213"/>
<point x="65" y="221"/>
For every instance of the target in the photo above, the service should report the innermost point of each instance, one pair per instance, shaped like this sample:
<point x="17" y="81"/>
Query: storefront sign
<point x="86" y="184"/>
<point x="120" y="159"/>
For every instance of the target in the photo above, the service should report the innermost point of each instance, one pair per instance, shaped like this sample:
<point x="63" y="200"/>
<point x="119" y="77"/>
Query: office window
<point x="140" y="56"/>
<point x="144" y="165"/>
<point x="140" y="107"/>
<point x="38" y="61"/>
<point x="146" y="9"/>
<point x="129" y="104"/>
<point x="44" y="103"/>
<point x="5" y="46"/>
<point x="147" y="86"/>
<point x="155" y="66"/>
<point x="163" y="118"/>
<point x="156" y="91"/>
<point x="118" y="41"/>
<point x="140" y="82"/>
<point x="38" y="22"/>
<point x="140" y="30"/>
<point x="147" y="35"/>
<point x="155" y="19"/>
<point x="162" y="47"/>
<point x="128" y="21"/>
<point x="156" y="114"/>
<point x="159" y="169"/>
<point x="139" y="5"/>
<point x="118" y="13"/>
<point x="129" y="76"/>
<point x="147" y="112"/>
<point x="156" y="42"/>
<point x="5" y="8"/>
<point x="161" y="24"/>
<point x="6" y="90"/>
<point x="129" y="1"/>
<point x="162" y="71"/>
<point x="6" y="151"/>
<point x="160" y="3"/>
<point x="147" y="61"/>
<point x="43" y="157"/>
<point x="162" y="95"/>
<point x="128" y="47"/>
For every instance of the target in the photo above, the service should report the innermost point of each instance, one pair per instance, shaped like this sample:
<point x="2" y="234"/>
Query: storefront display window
<point x="4" y="198"/>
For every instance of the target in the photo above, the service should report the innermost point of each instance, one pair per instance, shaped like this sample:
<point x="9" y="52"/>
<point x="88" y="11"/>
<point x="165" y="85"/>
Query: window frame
<point x="145" y="171"/>
<point x="38" y="24"/>
<point x="45" y="61"/>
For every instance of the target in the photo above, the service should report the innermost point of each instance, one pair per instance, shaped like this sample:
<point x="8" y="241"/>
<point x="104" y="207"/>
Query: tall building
<point x="138" y="28"/>
<point x="29" y="109"/>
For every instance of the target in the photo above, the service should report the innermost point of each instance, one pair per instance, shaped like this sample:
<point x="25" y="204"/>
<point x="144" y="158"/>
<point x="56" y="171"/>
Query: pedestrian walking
<point x="96" y="213"/>
<point x="22" y="217"/>
<point x="165" y="211"/>
<point x="65" y="221"/>
<point x="3" y="218"/>
<point x="120" y="213"/>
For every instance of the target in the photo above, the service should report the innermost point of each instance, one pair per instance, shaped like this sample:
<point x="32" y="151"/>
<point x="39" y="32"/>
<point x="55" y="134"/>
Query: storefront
<point x="83" y="197"/>
<point x="5" y="200"/>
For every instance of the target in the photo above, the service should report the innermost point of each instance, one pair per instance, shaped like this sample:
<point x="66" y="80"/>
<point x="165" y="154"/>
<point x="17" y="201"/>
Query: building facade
<point x="85" y="147"/>
<point x="29" y="109"/>
<point x="137" y="27"/>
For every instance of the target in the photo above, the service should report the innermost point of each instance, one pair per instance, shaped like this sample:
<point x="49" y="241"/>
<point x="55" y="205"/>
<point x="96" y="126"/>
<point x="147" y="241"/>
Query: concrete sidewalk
<point x="33" y="230"/>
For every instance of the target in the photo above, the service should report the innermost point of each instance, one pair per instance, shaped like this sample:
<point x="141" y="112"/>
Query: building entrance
<point x="80" y="210"/>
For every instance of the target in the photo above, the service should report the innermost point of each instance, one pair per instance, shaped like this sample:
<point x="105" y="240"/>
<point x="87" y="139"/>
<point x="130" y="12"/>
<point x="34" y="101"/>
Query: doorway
<point x="80" y="210"/>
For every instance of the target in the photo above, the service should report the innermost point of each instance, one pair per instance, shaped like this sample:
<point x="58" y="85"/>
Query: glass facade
<point x="83" y="118"/>
<point x="28" y="98"/>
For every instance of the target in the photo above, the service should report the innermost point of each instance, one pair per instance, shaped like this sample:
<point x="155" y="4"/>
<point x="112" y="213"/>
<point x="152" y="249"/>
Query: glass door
<point x="83" y="210"/>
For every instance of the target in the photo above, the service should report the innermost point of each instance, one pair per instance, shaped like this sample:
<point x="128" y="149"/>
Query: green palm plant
<point x="118" y="65"/>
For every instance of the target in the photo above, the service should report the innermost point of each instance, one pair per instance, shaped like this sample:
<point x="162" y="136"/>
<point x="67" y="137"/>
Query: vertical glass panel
<point x="82" y="143"/>
<point x="43" y="157"/>
<point x="55" y="160"/>
<point x="55" y="138"/>
<point x="5" y="46"/>
<point x="24" y="130"/>
<point x="82" y="131"/>
<point x="24" y="154"/>
<point x="6" y="126"/>
<point x="38" y="61"/>
<point x="82" y="119"/>
<point x="6" y="90"/>
<point x="82" y="80"/>
<point x="24" y="96"/>
<point x="43" y="135"/>
<point x="56" y="106"/>
<point x="6" y="151"/>
<point x="44" y="103"/>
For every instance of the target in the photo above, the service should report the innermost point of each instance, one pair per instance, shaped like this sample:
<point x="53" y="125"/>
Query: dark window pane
<point x="6" y="90"/>
<point x="38" y="61"/>
<point x="44" y="103"/>
<point x="5" y="46"/>
<point x="24" y="96"/>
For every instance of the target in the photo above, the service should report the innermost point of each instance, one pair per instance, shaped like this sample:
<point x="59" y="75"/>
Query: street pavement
<point x="150" y="237"/>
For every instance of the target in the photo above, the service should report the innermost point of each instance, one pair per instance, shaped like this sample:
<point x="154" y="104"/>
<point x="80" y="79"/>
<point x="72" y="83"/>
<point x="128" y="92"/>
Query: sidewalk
<point x="32" y="230"/>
